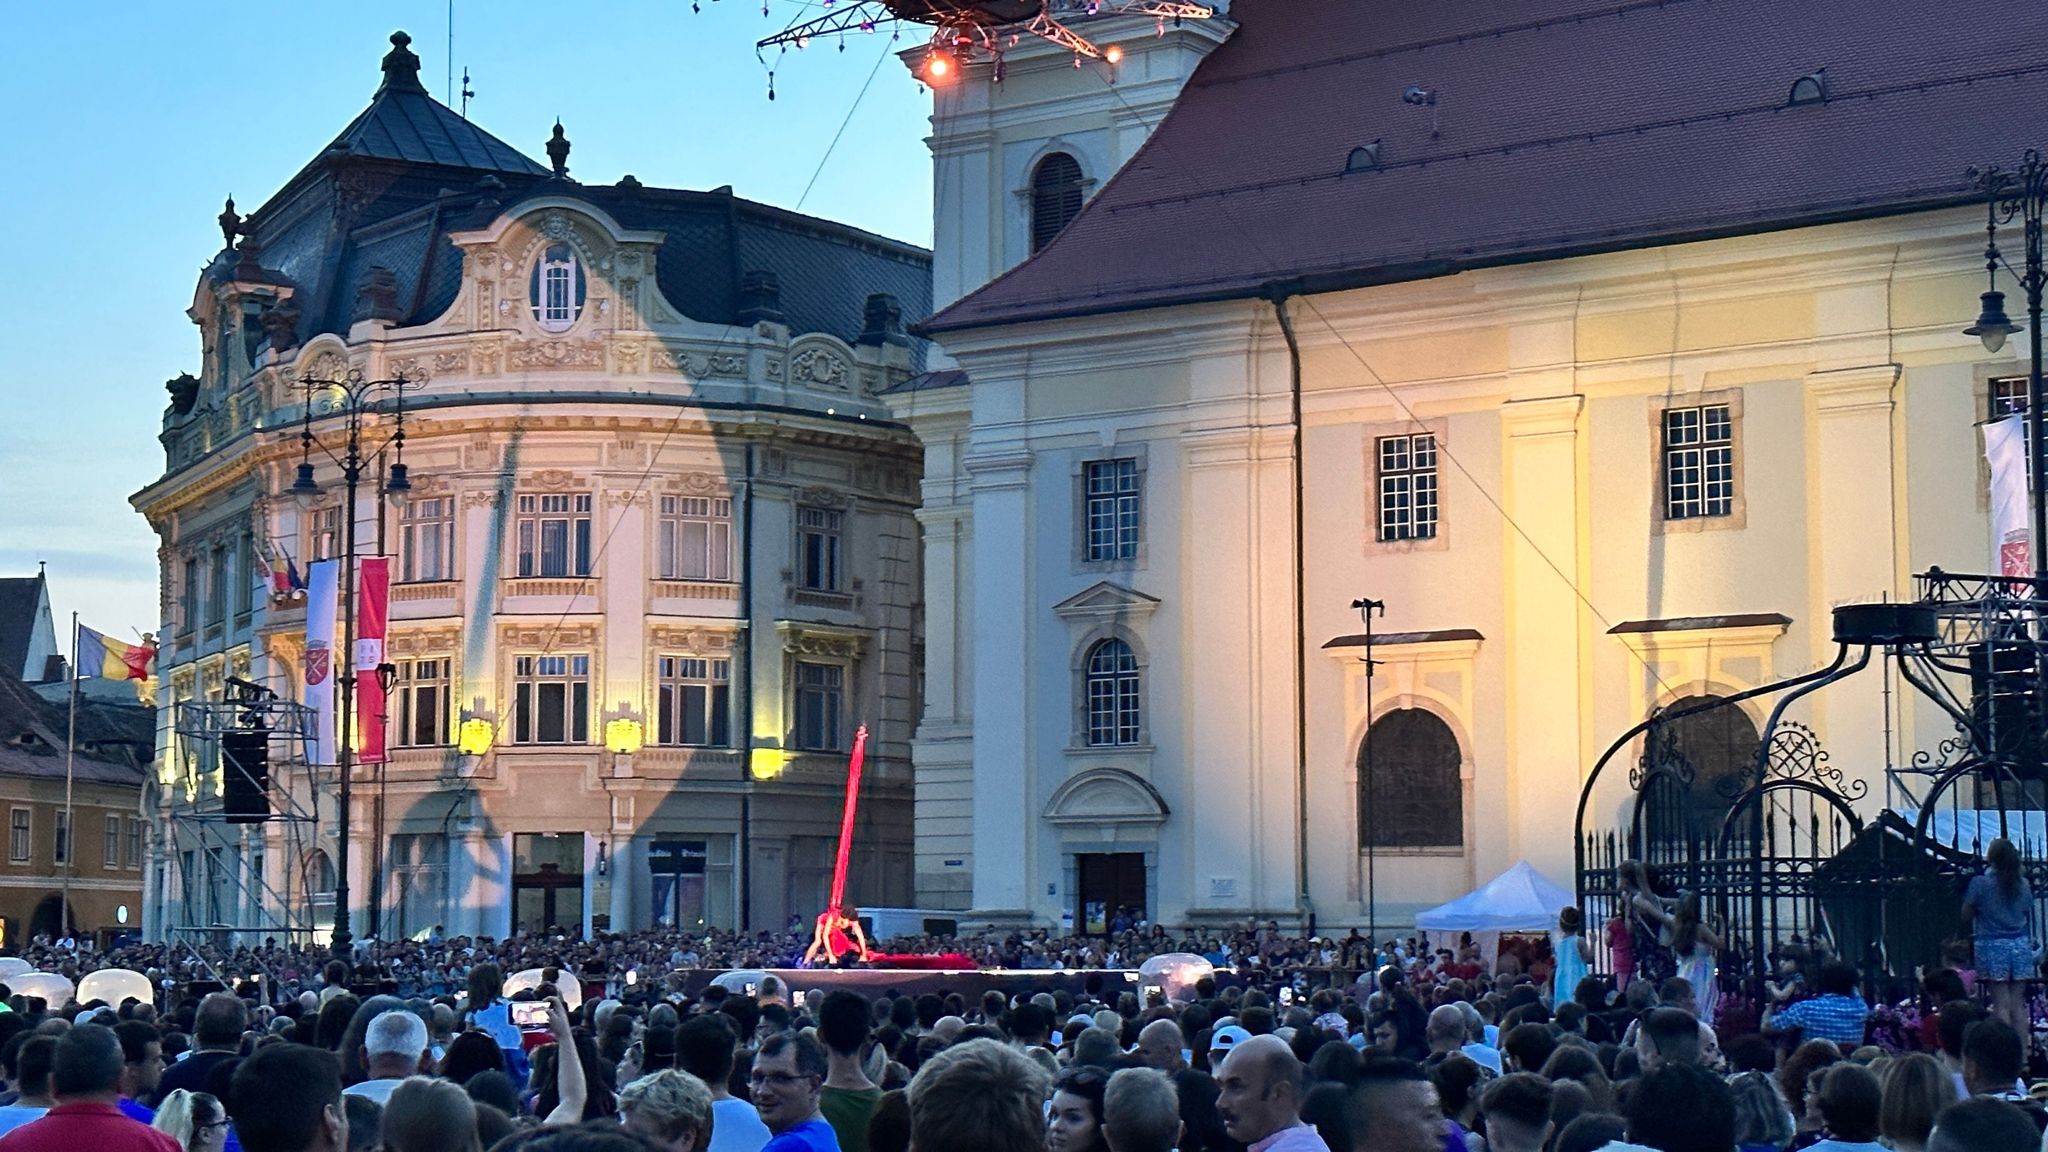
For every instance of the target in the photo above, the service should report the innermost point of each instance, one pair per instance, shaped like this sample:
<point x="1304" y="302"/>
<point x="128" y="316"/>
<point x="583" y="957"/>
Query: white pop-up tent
<point x="1520" y="899"/>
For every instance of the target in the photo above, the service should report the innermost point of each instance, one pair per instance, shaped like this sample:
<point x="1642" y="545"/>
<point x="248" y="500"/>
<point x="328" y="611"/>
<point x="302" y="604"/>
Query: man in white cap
<point x="394" y="1047"/>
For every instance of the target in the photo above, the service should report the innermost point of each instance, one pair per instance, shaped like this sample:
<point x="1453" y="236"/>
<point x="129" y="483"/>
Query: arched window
<point x="557" y="288"/>
<point x="1056" y="188"/>
<point x="1718" y="747"/>
<point x="319" y="874"/>
<point x="1411" y="793"/>
<point x="1112" y="688"/>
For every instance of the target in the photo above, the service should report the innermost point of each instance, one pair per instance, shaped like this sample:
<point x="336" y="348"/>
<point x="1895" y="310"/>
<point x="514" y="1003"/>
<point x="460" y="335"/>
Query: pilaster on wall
<point x="1001" y="693"/>
<point x="1854" y="541"/>
<point x="1545" y="763"/>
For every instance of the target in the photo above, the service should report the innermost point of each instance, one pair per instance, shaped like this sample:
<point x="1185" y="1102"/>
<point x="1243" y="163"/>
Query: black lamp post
<point x="355" y="399"/>
<point x="2020" y="194"/>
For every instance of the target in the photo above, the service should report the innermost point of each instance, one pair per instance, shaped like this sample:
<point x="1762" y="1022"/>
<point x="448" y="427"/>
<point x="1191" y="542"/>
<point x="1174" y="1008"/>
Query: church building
<point x="1595" y="352"/>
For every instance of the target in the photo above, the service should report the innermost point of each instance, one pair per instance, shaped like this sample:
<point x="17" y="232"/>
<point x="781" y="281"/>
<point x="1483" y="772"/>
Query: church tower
<point x="1019" y="145"/>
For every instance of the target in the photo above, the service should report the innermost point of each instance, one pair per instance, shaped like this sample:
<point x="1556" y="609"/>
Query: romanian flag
<point x="284" y="574"/>
<point x="102" y="656"/>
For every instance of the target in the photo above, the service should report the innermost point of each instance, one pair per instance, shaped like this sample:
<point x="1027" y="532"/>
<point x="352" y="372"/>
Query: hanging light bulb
<point x="938" y="66"/>
<point x="1114" y="54"/>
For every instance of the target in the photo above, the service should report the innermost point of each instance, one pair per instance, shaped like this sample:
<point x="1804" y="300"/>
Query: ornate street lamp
<point x="356" y="399"/>
<point x="2019" y="194"/>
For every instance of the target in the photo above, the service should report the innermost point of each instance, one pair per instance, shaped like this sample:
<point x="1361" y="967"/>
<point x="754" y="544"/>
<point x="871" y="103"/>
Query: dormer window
<point x="557" y="290"/>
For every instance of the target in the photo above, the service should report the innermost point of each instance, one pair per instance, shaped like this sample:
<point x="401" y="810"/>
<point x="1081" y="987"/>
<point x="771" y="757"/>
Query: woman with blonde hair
<point x="1916" y="1088"/>
<point x="194" y="1119"/>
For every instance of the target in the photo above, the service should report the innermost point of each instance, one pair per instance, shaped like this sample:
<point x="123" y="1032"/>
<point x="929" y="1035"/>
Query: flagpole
<point x="70" y="749"/>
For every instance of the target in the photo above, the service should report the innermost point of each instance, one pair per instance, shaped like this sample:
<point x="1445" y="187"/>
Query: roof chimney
<point x="401" y="67"/>
<point x="882" y="321"/>
<point x="760" y="298"/>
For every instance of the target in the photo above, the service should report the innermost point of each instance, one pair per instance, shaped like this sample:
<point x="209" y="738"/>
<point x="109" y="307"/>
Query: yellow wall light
<point x="623" y="736"/>
<point x="765" y="763"/>
<point x="474" y="737"/>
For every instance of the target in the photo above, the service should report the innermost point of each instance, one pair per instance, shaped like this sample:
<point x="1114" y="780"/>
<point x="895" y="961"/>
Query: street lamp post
<point x="2022" y="194"/>
<point x="355" y="400"/>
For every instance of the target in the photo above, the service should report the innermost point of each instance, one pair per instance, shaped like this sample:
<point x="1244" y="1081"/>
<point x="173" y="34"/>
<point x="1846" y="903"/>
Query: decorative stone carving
<point x="555" y="224"/>
<point x="556" y="639"/>
<point x="713" y="365"/>
<point x="457" y="361"/>
<point x="806" y="643"/>
<point x="546" y="354"/>
<point x="424" y="641"/>
<point x="627" y="497"/>
<point x="698" y="484"/>
<point x="553" y="480"/>
<point x="487" y="498"/>
<point x="485" y="361"/>
<point x="692" y="639"/>
<point x="414" y="368"/>
<point x="773" y="368"/>
<point x="823" y="498"/>
<point x="325" y="364"/>
<point x="817" y="366"/>
<point x="627" y="358"/>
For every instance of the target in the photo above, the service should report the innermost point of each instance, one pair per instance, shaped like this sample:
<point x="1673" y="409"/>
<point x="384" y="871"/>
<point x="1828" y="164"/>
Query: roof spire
<point x="558" y="151"/>
<point x="230" y="223"/>
<point x="401" y="67"/>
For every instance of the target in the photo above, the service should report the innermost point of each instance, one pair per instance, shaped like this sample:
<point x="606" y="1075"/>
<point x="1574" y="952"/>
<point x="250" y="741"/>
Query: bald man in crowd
<point x="1259" y="1097"/>
<point x="1162" y="1046"/>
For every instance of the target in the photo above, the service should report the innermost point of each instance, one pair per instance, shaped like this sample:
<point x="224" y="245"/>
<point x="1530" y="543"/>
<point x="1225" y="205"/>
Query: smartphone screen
<point x="753" y="988"/>
<point x="796" y="998"/>
<point x="530" y="1015"/>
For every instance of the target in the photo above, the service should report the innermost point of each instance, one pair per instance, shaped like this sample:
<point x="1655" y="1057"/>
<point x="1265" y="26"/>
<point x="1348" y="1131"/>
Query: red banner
<point x="373" y="612"/>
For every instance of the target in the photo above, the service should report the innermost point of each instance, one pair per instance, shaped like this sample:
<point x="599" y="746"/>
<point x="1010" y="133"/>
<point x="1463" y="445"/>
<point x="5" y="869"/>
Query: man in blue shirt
<point x="1838" y="1013"/>
<point x="788" y="1078"/>
<point x="142" y="1065"/>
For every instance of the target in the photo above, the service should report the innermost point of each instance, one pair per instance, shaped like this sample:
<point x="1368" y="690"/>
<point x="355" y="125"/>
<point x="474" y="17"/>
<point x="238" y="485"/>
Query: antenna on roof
<point x="450" y="89"/>
<point x="466" y="93"/>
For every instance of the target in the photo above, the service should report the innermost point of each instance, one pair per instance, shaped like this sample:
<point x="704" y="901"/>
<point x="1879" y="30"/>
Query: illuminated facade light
<point x="623" y="736"/>
<point x="474" y="738"/>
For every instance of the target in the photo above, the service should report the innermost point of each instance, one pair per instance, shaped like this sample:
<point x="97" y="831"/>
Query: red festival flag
<point x="373" y="611"/>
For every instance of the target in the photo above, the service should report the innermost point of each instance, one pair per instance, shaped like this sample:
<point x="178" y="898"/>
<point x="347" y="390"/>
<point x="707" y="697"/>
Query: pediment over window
<point x="1106" y="796"/>
<point x="1106" y="601"/>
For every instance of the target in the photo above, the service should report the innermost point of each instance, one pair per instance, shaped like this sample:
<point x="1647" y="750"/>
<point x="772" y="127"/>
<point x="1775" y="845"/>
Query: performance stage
<point x="871" y="982"/>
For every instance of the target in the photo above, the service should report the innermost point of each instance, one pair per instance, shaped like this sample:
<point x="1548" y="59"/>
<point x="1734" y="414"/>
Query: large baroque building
<point x="657" y="560"/>
<point x="1607" y="347"/>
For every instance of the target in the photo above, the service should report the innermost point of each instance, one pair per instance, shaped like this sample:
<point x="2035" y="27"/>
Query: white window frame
<point x="538" y="512"/>
<point x="21" y="835"/>
<point x="1112" y="495"/>
<point x="820" y="549"/>
<point x="1697" y="461"/>
<point x="323" y="534"/>
<point x="824" y="695"/>
<point x="693" y="539"/>
<point x="426" y="539"/>
<point x="677" y="679"/>
<point x="418" y="676"/>
<point x="1112" y="689"/>
<point x="558" y="274"/>
<point x="1408" y="490"/>
<point x="110" y="855"/>
<point x="534" y="676"/>
<point x="60" y="846"/>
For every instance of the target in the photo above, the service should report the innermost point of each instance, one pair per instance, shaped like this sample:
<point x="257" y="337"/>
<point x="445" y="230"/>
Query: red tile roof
<point x="1564" y="127"/>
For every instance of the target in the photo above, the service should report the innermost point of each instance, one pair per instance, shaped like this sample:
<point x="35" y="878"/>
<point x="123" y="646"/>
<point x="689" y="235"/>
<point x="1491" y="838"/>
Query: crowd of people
<point x="1280" y="1043"/>
<point x="1422" y="1055"/>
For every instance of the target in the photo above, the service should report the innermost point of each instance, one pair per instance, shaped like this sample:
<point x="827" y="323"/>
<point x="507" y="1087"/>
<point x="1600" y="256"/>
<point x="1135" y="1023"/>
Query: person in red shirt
<point x="86" y="1080"/>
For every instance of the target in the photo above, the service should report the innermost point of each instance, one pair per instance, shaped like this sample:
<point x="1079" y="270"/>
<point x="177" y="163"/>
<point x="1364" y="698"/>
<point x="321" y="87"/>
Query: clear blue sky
<point x="129" y="122"/>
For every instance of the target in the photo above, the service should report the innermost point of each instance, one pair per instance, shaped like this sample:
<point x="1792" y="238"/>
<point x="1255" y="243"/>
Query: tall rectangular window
<point x="247" y="571"/>
<point x="695" y="538"/>
<point x="694" y="702"/>
<point x="188" y="598"/>
<point x="2008" y="395"/>
<point x="1407" y="487"/>
<point x="1699" y="462"/>
<point x="62" y="854"/>
<point x="423" y="702"/>
<point x="19" y="835"/>
<point x="217" y="581"/>
<point x="820" y="538"/>
<point x="134" y="842"/>
<point x="554" y="534"/>
<point x="426" y="539"/>
<point x="110" y="851"/>
<point x="551" y="700"/>
<point x="326" y="534"/>
<point x="820" y="695"/>
<point x="1112" y="512"/>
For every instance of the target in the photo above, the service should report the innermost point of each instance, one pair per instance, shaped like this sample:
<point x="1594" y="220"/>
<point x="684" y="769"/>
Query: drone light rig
<point x="965" y="31"/>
